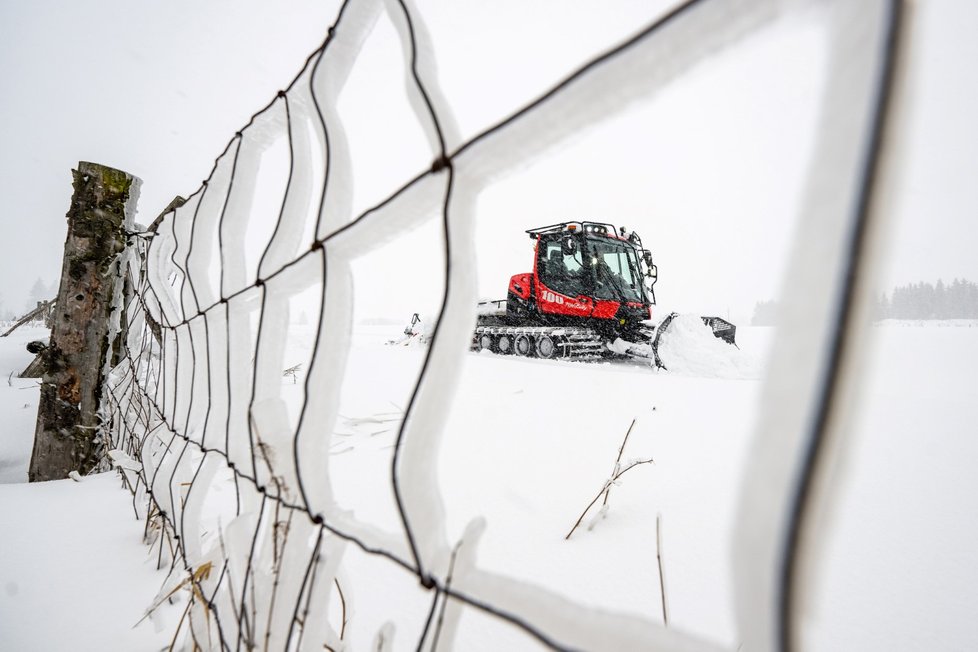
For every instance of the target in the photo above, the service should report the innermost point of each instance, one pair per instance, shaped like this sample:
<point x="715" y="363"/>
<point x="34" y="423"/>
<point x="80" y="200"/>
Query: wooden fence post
<point x="66" y="437"/>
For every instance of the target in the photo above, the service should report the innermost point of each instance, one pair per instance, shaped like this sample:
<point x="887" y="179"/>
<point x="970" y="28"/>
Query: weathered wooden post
<point x="102" y="208"/>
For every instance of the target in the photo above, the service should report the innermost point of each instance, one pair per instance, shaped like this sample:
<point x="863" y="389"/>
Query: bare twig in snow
<point x="339" y="590"/>
<point x="604" y="488"/>
<point x="280" y="537"/>
<point x="444" y="604"/>
<point x="616" y="473"/>
<point x="176" y="634"/>
<point x="662" y="578"/>
<point x="621" y="450"/>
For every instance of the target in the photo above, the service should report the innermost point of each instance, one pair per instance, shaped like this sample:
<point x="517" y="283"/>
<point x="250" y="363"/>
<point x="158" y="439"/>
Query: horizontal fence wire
<point x="195" y="405"/>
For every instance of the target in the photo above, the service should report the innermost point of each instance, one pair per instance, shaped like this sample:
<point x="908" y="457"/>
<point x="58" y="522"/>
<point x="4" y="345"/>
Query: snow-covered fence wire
<point x="237" y="493"/>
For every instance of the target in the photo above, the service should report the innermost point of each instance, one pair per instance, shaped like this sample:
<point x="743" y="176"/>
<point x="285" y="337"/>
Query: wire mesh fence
<point x="234" y="484"/>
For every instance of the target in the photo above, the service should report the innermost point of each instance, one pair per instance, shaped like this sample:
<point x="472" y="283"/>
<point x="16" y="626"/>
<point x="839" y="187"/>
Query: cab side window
<point x="563" y="273"/>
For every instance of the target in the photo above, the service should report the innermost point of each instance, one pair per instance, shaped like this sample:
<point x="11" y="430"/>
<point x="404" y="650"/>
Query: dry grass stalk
<point x="662" y="578"/>
<point x="444" y="604"/>
<point x="616" y="474"/>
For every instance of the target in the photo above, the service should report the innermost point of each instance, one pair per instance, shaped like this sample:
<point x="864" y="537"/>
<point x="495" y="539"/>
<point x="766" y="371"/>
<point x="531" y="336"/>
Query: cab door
<point x="563" y="279"/>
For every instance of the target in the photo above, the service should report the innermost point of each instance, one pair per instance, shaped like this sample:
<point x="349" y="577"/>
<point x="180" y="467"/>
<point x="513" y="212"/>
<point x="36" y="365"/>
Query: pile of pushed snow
<point x="689" y="347"/>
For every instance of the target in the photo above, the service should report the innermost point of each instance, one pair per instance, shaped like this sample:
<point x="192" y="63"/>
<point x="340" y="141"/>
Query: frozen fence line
<point x="197" y="399"/>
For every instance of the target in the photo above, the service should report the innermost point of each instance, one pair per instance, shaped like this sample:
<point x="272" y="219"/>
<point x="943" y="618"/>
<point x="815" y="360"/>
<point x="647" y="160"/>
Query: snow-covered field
<point x="902" y="569"/>
<point x="528" y="445"/>
<point x="74" y="574"/>
<point x="18" y="404"/>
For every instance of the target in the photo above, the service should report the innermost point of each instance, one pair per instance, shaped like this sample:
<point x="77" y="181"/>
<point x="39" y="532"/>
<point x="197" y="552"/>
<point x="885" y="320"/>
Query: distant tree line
<point x="955" y="300"/>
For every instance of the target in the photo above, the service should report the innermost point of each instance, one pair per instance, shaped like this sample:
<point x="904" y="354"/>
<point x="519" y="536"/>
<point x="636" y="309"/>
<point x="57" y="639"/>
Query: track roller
<point x="523" y="345"/>
<point x="546" y="347"/>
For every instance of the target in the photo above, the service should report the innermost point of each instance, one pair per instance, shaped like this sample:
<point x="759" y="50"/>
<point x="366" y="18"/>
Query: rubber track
<point x="573" y="343"/>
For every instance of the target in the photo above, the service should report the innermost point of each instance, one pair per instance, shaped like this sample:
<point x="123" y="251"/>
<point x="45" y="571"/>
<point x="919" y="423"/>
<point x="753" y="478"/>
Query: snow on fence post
<point x="101" y="215"/>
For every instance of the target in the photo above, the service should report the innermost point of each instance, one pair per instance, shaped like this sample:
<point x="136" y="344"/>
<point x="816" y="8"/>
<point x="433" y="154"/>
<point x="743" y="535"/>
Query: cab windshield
<point x="615" y="270"/>
<point x="606" y="269"/>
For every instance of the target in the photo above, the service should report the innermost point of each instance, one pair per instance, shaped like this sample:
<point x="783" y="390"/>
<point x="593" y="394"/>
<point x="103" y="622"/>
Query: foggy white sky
<point x="708" y="173"/>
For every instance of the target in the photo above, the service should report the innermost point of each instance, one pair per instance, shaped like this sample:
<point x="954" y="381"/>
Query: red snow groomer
<point x="589" y="296"/>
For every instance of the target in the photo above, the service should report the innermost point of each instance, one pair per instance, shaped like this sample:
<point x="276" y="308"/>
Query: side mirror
<point x="651" y="270"/>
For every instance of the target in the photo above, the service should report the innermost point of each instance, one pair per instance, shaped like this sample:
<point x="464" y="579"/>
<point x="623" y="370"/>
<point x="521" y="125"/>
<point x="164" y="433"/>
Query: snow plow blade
<point x="721" y="328"/>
